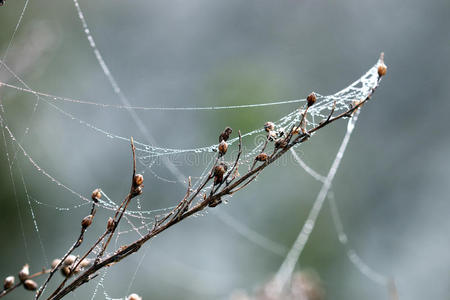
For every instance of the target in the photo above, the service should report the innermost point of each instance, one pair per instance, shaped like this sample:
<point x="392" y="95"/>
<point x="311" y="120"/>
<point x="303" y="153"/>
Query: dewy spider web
<point x="148" y="153"/>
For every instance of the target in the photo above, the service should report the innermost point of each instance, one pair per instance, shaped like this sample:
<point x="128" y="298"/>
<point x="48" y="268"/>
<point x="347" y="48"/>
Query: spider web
<point x="157" y="160"/>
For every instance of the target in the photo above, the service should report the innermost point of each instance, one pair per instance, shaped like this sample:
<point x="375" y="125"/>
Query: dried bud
<point x="223" y="147"/>
<point x="9" y="282"/>
<point x="261" y="157"/>
<point x="87" y="221"/>
<point x="30" y="285"/>
<point x="85" y="263"/>
<point x="382" y="69"/>
<point x="24" y="273"/>
<point x="138" y="180"/>
<point x="220" y="169"/>
<point x="55" y="263"/>
<point x="225" y="135"/>
<point x="70" y="260"/>
<point x="65" y="271"/>
<point x="272" y="136"/>
<point x="280" y="143"/>
<point x="134" y="297"/>
<point x="269" y="126"/>
<point x="110" y="224"/>
<point x="96" y="195"/>
<point x="311" y="99"/>
<point x="296" y="130"/>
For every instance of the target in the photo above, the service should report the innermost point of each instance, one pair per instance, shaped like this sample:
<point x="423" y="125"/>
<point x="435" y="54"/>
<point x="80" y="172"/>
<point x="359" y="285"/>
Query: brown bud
<point x="382" y="69"/>
<point x="272" y="135"/>
<point x="134" y="297"/>
<point x="220" y="169"/>
<point x="65" y="271"/>
<point x="311" y="99"/>
<point x="269" y="126"/>
<point x="223" y="147"/>
<point x="87" y="221"/>
<point x="110" y="224"/>
<point x="24" y="273"/>
<point x="261" y="157"/>
<point x="96" y="195"/>
<point x="9" y="282"/>
<point x="30" y="285"/>
<point x="296" y="130"/>
<point x="218" y="179"/>
<point x="55" y="263"/>
<point x="280" y="143"/>
<point x="225" y="135"/>
<point x="70" y="260"/>
<point x="138" y="180"/>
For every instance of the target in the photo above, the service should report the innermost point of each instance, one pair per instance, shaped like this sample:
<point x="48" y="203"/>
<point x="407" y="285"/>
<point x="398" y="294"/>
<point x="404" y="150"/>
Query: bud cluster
<point x="223" y="138"/>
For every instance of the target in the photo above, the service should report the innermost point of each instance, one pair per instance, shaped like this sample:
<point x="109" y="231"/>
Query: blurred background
<point x="392" y="187"/>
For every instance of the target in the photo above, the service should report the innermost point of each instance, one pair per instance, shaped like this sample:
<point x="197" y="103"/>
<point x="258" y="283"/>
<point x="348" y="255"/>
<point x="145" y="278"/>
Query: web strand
<point x="286" y="270"/>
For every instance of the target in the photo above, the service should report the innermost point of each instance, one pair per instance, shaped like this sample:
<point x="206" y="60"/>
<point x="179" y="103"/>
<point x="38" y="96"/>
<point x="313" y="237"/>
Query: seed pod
<point x="96" y="195"/>
<point x="9" y="282"/>
<point x="30" y="285"/>
<point x="220" y="169"/>
<point x="24" y="273"/>
<point x="138" y="180"/>
<point x="280" y="143"/>
<point x="134" y="297"/>
<point x="110" y="224"/>
<point x="269" y="126"/>
<point x="311" y="99"/>
<point x="65" y="271"/>
<point x="55" y="263"/>
<point x="272" y="135"/>
<point x="70" y="260"/>
<point x="225" y="135"/>
<point x="382" y="69"/>
<point x="261" y="157"/>
<point x="87" y="221"/>
<point x="223" y="147"/>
